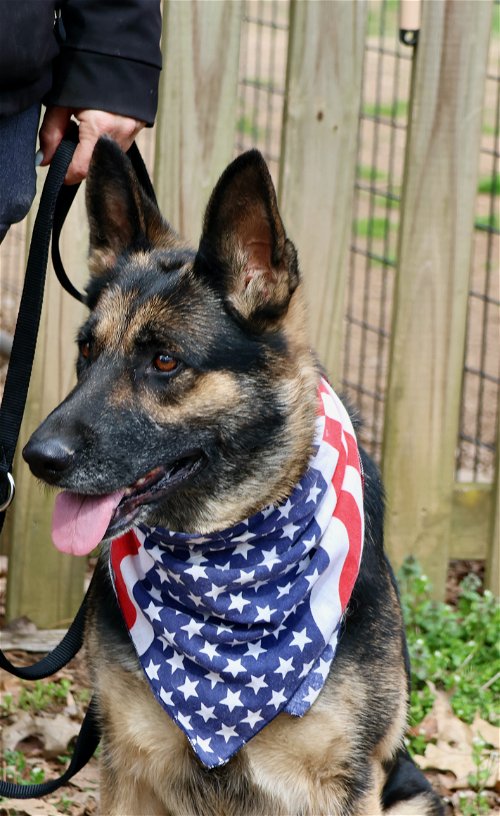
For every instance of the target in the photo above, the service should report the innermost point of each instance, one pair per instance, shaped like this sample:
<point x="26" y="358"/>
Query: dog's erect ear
<point x="244" y="251"/>
<point x="121" y="216"/>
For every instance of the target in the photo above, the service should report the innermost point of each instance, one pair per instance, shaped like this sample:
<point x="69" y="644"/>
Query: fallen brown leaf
<point x="28" y="807"/>
<point x="453" y="749"/>
<point x="55" y="732"/>
<point x="490" y="733"/>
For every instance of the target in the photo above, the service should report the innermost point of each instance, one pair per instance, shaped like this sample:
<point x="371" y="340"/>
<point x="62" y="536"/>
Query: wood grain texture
<point x="472" y="508"/>
<point x="45" y="585"/>
<point x="493" y="552"/>
<point x="197" y="113"/>
<point x="319" y="157"/>
<point x="427" y="351"/>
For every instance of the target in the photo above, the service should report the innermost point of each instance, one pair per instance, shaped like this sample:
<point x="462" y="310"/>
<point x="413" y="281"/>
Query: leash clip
<point x="11" y="491"/>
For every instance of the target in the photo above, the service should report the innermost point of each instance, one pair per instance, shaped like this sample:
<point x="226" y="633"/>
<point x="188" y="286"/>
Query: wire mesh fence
<point x="475" y="460"/>
<point x="262" y="75"/>
<point x="377" y="199"/>
<point x="373" y="252"/>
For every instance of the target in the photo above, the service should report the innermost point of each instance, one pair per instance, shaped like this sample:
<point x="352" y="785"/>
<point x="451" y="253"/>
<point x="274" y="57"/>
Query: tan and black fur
<point x="230" y="425"/>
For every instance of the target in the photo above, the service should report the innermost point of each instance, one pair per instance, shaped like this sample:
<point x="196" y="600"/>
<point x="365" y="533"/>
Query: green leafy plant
<point x="455" y="649"/>
<point x="246" y="127"/>
<point x="489" y="185"/>
<point x="373" y="227"/>
<point x="64" y="804"/>
<point x="6" y="704"/>
<point x="478" y="804"/>
<point x="390" y="11"/>
<point x="16" y="769"/>
<point x="488" y="222"/>
<point x="44" y="696"/>
<point x="368" y="173"/>
<point x="388" y="110"/>
<point x="83" y="696"/>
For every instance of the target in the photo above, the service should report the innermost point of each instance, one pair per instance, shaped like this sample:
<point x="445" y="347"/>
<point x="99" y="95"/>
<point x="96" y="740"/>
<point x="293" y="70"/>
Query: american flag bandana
<point x="233" y="627"/>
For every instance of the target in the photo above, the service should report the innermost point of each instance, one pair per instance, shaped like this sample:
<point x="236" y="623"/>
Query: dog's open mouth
<point x="80" y="522"/>
<point x="153" y="486"/>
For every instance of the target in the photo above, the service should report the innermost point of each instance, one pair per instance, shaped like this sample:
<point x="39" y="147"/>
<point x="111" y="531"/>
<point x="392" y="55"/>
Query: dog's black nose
<point x="48" y="458"/>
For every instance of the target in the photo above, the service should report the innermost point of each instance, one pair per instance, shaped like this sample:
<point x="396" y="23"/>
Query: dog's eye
<point x="165" y="364"/>
<point x="85" y="349"/>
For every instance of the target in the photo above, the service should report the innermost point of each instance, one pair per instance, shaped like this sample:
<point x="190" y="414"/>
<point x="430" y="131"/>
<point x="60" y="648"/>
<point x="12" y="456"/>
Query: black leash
<point x="55" y="202"/>
<point x="64" y="201"/>
<point x="28" y="321"/>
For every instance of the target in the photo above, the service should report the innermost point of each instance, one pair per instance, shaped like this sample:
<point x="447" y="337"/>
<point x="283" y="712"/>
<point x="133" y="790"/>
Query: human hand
<point x="93" y="123"/>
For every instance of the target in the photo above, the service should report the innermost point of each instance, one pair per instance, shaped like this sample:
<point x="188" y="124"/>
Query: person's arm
<point x="110" y="57"/>
<point x="106" y="75"/>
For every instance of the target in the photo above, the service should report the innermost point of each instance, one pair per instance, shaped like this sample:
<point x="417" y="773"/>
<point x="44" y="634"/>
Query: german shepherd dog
<point x="195" y="408"/>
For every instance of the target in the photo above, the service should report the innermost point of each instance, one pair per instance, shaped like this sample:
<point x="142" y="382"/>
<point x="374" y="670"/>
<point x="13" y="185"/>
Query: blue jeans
<point x="17" y="166"/>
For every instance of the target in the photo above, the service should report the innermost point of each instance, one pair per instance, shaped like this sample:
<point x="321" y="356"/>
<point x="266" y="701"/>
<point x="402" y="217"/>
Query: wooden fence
<point x="429" y="515"/>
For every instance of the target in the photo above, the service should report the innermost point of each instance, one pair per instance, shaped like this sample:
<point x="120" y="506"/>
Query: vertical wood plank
<point x="325" y="60"/>
<point x="197" y="116"/>
<point x="472" y="512"/>
<point x="43" y="584"/>
<point x="493" y="554"/>
<point x="427" y="352"/>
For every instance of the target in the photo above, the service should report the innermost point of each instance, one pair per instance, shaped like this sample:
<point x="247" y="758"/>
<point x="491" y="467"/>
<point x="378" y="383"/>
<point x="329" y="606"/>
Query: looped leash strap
<point x="65" y="650"/>
<point x="88" y="738"/>
<point x="63" y="204"/>
<point x="64" y="201"/>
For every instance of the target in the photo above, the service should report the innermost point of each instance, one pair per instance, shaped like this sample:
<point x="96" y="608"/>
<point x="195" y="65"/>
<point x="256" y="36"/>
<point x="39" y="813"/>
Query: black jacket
<point x="101" y="54"/>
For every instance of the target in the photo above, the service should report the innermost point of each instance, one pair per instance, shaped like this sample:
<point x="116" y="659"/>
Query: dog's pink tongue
<point x="79" y="522"/>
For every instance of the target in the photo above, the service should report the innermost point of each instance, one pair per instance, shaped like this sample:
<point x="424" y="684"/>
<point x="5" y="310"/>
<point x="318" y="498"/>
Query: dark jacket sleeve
<point x="27" y="48"/>
<point x="109" y="57"/>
